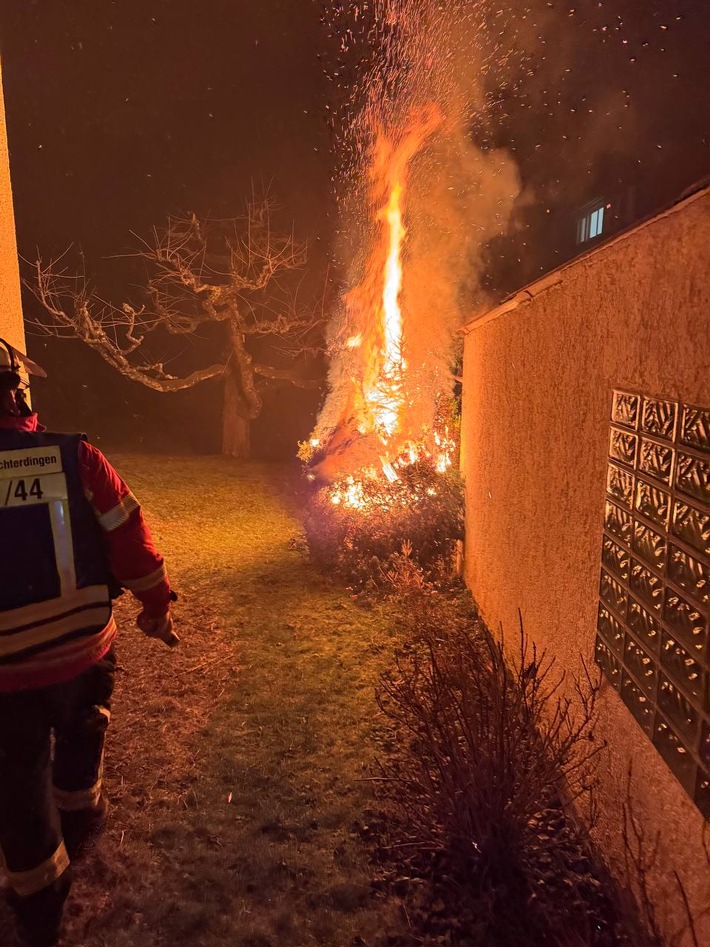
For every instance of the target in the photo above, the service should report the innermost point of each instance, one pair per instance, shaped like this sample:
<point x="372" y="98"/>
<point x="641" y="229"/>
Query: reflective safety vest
<point x="55" y="603"/>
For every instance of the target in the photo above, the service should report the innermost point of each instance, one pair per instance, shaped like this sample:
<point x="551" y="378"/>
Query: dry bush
<point x="492" y="744"/>
<point x="487" y="752"/>
<point x="423" y="511"/>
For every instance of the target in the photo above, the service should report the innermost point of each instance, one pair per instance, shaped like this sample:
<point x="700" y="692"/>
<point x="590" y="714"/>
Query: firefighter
<point x="71" y="534"/>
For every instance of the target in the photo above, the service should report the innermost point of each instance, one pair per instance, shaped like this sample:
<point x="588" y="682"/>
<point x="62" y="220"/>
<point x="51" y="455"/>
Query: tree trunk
<point x="235" y="423"/>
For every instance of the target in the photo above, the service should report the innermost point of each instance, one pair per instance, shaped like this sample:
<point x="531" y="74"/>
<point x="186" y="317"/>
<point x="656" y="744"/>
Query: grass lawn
<point x="237" y="764"/>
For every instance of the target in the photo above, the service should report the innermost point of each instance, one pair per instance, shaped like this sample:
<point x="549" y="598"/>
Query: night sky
<point x="122" y="112"/>
<point x="615" y="104"/>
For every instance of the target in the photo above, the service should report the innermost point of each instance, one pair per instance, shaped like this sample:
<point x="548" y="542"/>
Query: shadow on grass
<point x="235" y="764"/>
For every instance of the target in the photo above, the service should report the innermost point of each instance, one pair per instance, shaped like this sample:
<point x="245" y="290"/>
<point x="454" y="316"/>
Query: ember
<point x="380" y="394"/>
<point x="418" y="202"/>
<point x="364" y="526"/>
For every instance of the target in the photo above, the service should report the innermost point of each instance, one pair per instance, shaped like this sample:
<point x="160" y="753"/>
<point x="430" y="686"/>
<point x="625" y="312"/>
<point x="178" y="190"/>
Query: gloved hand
<point x="161" y="628"/>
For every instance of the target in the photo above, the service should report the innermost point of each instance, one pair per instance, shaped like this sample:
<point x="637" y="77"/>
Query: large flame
<point x="379" y="409"/>
<point x="385" y="395"/>
<point x="393" y="283"/>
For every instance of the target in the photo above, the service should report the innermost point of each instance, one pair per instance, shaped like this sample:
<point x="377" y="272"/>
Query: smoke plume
<point x="421" y="59"/>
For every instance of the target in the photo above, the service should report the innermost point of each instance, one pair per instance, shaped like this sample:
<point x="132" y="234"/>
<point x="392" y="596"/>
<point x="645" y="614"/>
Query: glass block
<point x="701" y="797"/>
<point x="690" y="574"/>
<point x="646" y="628"/>
<point x="658" y="418"/>
<point x="649" y="546"/>
<point x="656" y="460"/>
<point x="610" y="630"/>
<point x="695" y="427"/>
<point x="615" y="558"/>
<point x="654" y="503"/>
<point x="653" y="620"/>
<point x="676" y="707"/>
<point x="618" y="522"/>
<point x="620" y="485"/>
<point x="622" y="447"/>
<point x="692" y="476"/>
<point x="671" y="748"/>
<point x="646" y="585"/>
<point x="692" y="526"/>
<point x="625" y="409"/>
<point x="637" y="702"/>
<point x="684" y="620"/>
<point x="683" y="667"/>
<point x="610" y="665"/>
<point x="705" y="745"/>
<point x="641" y="666"/>
<point x="613" y="594"/>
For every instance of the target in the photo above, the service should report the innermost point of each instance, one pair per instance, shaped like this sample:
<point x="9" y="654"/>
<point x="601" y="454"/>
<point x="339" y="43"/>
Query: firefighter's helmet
<point x="13" y="362"/>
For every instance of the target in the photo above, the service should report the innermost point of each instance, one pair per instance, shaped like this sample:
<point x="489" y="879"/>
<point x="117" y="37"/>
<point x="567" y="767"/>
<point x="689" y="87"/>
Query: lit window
<point x="596" y="222"/>
<point x="591" y="224"/>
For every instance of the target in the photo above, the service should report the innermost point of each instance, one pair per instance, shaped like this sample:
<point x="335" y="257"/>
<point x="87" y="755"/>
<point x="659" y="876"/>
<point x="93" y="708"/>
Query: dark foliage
<point x="421" y="514"/>
<point x="487" y="745"/>
<point x="487" y="751"/>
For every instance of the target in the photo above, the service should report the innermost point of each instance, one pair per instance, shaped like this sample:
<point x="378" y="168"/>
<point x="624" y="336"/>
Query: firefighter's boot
<point x="82" y="826"/>
<point x="39" y="915"/>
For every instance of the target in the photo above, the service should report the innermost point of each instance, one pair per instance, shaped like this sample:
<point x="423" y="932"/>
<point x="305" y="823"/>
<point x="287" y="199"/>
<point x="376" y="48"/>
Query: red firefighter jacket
<point x="47" y="648"/>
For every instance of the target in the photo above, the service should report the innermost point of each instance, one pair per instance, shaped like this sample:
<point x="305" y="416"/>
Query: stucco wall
<point x="537" y="393"/>
<point x="11" y="325"/>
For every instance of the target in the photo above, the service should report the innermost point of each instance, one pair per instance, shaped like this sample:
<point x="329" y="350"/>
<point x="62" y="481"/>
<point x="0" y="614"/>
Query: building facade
<point x="11" y="324"/>
<point x="586" y="457"/>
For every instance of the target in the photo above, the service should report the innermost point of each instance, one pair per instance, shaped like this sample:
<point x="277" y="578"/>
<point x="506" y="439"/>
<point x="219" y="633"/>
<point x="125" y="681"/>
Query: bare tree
<point x="238" y="273"/>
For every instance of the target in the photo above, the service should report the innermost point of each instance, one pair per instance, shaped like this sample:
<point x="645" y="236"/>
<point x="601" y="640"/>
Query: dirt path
<point x="237" y="764"/>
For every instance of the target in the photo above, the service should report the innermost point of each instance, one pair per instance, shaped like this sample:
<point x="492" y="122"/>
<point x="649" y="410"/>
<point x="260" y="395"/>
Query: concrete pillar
<point x="11" y="324"/>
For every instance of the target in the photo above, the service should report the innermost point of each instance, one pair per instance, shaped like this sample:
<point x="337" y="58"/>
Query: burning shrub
<point x="360" y="527"/>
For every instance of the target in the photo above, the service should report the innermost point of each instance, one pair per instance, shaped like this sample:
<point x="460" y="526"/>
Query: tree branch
<point x="199" y="271"/>
<point x="285" y="374"/>
<point x="83" y="322"/>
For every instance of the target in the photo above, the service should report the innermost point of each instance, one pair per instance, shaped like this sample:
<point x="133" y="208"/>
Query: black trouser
<point x="34" y="781"/>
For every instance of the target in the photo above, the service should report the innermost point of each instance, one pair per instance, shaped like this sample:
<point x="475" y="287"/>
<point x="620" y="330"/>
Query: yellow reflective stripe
<point x="100" y="615"/>
<point x="119" y="514"/>
<point x="63" y="544"/>
<point x="30" y="882"/>
<point x="147" y="582"/>
<point x="79" y="799"/>
<point x="58" y="655"/>
<point x="50" y="608"/>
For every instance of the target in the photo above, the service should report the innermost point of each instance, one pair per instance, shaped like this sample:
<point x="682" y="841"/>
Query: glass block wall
<point x="653" y="625"/>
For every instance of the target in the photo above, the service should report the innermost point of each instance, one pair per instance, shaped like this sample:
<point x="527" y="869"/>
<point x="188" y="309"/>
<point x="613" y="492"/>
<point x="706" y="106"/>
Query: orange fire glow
<point x="385" y="395"/>
<point x="393" y="282"/>
<point x="378" y="331"/>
